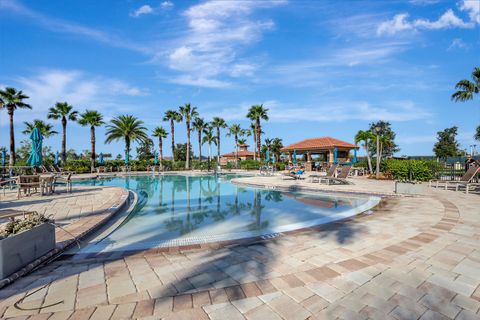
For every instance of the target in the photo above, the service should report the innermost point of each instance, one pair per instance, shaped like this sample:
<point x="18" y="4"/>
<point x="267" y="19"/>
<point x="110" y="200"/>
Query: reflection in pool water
<point x="181" y="210"/>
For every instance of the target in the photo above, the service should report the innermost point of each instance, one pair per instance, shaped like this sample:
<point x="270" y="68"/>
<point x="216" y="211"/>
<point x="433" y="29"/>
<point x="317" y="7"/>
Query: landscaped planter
<point x="409" y="188"/>
<point x="21" y="249"/>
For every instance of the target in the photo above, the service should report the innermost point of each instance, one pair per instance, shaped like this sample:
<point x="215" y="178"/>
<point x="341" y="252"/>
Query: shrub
<point x="250" y="164"/>
<point x="17" y="226"/>
<point x="407" y="170"/>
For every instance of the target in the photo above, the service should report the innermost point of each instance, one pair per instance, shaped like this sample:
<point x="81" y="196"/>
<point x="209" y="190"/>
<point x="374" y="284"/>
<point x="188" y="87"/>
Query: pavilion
<point x="323" y="147"/>
<point x="243" y="154"/>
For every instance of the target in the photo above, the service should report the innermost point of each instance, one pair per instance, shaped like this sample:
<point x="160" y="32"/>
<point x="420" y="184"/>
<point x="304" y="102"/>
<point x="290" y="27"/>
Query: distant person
<point x="470" y="162"/>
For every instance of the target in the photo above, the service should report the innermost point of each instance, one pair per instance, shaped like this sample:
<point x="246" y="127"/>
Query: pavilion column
<point x="309" y="157"/>
<point x="290" y="157"/>
<point x="330" y="155"/>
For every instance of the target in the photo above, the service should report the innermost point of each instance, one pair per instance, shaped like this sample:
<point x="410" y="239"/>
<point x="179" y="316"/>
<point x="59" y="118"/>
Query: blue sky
<point x="323" y="68"/>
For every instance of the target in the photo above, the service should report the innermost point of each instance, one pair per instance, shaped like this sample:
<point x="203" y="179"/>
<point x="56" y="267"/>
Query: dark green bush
<point x="406" y="170"/>
<point x="250" y="164"/>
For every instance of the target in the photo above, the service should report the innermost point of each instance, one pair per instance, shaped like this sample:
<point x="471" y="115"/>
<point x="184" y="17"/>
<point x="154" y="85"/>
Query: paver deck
<point x="413" y="258"/>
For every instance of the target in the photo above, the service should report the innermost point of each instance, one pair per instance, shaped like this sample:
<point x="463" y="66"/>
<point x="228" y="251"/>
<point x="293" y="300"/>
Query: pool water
<point x="175" y="210"/>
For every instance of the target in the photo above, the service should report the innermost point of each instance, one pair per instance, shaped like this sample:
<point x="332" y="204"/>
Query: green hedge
<point x="406" y="170"/>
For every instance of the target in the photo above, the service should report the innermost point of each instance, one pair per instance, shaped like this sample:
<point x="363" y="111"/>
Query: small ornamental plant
<point x="20" y="225"/>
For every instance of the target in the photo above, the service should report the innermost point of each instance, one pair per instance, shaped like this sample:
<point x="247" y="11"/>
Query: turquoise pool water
<point x="177" y="210"/>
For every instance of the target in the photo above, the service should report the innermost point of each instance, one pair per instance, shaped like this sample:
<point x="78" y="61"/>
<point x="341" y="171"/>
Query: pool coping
<point x="75" y="235"/>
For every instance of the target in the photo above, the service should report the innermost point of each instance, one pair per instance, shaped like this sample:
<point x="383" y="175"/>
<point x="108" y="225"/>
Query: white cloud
<point x="217" y="32"/>
<point x="457" y="43"/>
<point x="145" y="9"/>
<point x="78" y="88"/>
<point x="473" y="9"/>
<point x="166" y="4"/>
<point x="401" y="23"/>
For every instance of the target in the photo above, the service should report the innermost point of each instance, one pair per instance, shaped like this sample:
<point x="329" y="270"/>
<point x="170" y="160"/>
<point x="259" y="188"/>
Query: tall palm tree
<point x="13" y="100"/>
<point x="218" y="123"/>
<point x="235" y="130"/>
<point x="199" y="125"/>
<point x="188" y="113"/>
<point x="257" y="113"/>
<point x="209" y="138"/>
<point x="172" y="116"/>
<point x="127" y="128"/>
<point x="161" y="134"/>
<point x="367" y="137"/>
<point x="467" y="88"/>
<point x="253" y="132"/>
<point x="64" y="111"/>
<point x="46" y="129"/>
<point x="93" y="119"/>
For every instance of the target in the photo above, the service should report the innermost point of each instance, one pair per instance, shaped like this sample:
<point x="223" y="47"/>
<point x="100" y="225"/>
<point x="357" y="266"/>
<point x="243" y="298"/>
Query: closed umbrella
<point x="4" y="157"/>
<point x="354" y="155"/>
<point x="100" y="159"/>
<point x="294" y="156"/>
<point x="35" y="159"/>
<point x="127" y="158"/>
<point x="273" y="159"/>
<point x="57" y="158"/>
<point x="267" y="156"/>
<point x="335" y="154"/>
<point x="155" y="158"/>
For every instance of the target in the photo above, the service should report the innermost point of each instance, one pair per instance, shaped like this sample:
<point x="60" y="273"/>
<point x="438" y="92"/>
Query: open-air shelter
<point x="323" y="148"/>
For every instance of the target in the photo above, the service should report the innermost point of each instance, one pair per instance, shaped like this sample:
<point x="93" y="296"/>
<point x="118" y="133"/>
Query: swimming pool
<point x="176" y="210"/>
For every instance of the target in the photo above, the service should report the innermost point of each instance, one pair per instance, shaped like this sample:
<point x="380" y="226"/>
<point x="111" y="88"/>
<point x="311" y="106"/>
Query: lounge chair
<point x="296" y="175"/>
<point x="59" y="170"/>
<point x="341" y="178"/>
<point x="330" y="174"/>
<point x="466" y="180"/>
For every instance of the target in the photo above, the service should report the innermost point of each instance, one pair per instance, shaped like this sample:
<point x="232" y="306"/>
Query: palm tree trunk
<point x="172" y="130"/>
<point x="64" y="140"/>
<point x="236" y="151"/>
<point x="255" y="143"/>
<point x="12" y="138"/>
<point x="209" y="154"/>
<point x="378" y="157"/>
<point x="218" y="146"/>
<point x="127" y="147"/>
<point x="187" y="163"/>
<point x="200" y="146"/>
<point x="92" y="141"/>
<point x="369" y="160"/>
<point x="259" y="140"/>
<point x="160" y="149"/>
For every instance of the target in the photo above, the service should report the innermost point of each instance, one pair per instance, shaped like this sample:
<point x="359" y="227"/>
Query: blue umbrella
<point x="273" y="159"/>
<point x="354" y="155"/>
<point x="335" y="154"/>
<point x="294" y="156"/>
<point x="100" y="159"/>
<point x="155" y="158"/>
<point x="35" y="159"/>
<point x="127" y="158"/>
<point x="57" y="158"/>
<point x="4" y="157"/>
<point x="267" y="156"/>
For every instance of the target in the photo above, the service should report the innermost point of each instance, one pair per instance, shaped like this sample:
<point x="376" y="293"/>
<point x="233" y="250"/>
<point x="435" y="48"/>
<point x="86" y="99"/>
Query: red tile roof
<point x="240" y="154"/>
<point x="318" y="143"/>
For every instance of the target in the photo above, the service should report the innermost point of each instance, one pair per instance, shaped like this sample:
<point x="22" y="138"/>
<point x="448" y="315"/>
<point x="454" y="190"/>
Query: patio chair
<point x="330" y="174"/>
<point x="26" y="183"/>
<point x="60" y="170"/>
<point x="466" y="180"/>
<point x="101" y="169"/>
<point x="341" y="178"/>
<point x="62" y="180"/>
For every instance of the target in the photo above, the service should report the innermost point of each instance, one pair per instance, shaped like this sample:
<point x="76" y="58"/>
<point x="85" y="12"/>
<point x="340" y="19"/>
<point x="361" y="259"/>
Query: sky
<point x="322" y="68"/>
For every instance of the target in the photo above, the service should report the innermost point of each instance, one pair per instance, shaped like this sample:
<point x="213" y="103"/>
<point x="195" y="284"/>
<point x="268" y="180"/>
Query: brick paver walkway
<point x="413" y="258"/>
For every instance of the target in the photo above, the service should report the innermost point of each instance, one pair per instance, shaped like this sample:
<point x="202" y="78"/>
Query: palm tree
<point x="64" y="111"/>
<point x="93" y="119"/>
<point x="172" y="116"/>
<point x="367" y="137"/>
<point x="218" y="123"/>
<point x="199" y="125"/>
<point x="257" y="113"/>
<point x="467" y="88"/>
<point x="252" y="132"/>
<point x="188" y="113"/>
<point x="477" y="134"/>
<point x="235" y="130"/>
<point x="275" y="146"/>
<point x="209" y="138"/>
<point x="46" y="129"/>
<point x="12" y="100"/>
<point x="161" y="134"/>
<point x="128" y="128"/>
<point x="241" y="141"/>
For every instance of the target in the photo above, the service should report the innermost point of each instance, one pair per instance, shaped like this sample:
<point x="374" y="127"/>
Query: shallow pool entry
<point x="177" y="210"/>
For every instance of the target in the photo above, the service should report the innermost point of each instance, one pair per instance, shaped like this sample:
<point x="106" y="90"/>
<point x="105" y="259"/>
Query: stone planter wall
<point x="21" y="249"/>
